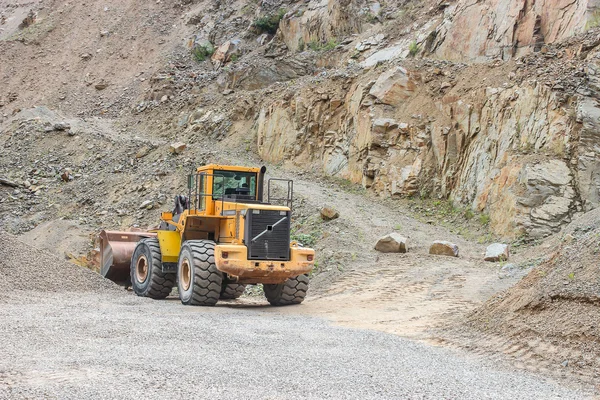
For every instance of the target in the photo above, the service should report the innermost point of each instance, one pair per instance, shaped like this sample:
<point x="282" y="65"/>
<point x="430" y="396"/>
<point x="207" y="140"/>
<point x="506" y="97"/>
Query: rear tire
<point x="232" y="291"/>
<point x="198" y="279"/>
<point x="147" y="277"/>
<point x="292" y="291"/>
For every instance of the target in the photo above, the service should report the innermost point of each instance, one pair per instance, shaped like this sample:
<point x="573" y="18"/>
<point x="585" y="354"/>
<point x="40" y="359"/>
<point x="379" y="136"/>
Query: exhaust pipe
<point x="261" y="183"/>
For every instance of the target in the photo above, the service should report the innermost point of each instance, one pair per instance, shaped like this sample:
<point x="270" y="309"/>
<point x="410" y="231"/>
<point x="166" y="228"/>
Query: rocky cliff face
<point x="515" y="139"/>
<point x="479" y="30"/>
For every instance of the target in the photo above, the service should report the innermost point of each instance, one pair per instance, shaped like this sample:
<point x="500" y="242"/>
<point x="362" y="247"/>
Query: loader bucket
<point x="116" y="250"/>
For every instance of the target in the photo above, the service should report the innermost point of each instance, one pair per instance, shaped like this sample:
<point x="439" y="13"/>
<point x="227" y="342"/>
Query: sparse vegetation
<point x="484" y="219"/>
<point x="413" y="48"/>
<point x="372" y="19"/>
<point x="306" y="239"/>
<point x="202" y="52"/>
<point x="593" y="21"/>
<point x="469" y="214"/>
<point x="318" y="46"/>
<point x="270" y="22"/>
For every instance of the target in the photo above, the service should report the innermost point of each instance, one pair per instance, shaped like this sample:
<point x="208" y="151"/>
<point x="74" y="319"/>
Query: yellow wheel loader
<point x="221" y="237"/>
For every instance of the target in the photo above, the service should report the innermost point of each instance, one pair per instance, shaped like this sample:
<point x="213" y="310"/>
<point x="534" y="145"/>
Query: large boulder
<point x="394" y="86"/>
<point x="328" y="213"/>
<point x="391" y="243"/>
<point x="443" y="248"/>
<point x="496" y="252"/>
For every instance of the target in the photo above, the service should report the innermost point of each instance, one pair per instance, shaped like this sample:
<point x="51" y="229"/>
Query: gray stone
<point x="61" y="126"/>
<point x="443" y="248"/>
<point x="148" y="204"/>
<point x="391" y="243"/>
<point x="497" y="252"/>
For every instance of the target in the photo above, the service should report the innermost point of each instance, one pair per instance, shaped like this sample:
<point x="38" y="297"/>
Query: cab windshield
<point x="234" y="184"/>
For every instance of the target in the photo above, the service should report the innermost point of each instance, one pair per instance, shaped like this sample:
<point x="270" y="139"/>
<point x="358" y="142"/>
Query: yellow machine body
<point x="222" y="218"/>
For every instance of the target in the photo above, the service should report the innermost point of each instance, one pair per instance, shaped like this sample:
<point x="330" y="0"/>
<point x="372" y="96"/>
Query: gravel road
<point x="118" y="346"/>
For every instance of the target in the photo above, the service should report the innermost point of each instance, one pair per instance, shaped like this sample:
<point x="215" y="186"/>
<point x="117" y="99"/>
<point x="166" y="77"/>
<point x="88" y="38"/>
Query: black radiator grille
<point x="271" y="233"/>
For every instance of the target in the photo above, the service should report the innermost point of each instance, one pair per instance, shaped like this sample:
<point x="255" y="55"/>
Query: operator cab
<point x="235" y="186"/>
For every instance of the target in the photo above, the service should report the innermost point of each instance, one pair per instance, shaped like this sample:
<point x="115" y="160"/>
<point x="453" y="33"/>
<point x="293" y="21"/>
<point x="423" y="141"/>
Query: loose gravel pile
<point x="554" y="312"/>
<point x="91" y="346"/>
<point x="24" y="267"/>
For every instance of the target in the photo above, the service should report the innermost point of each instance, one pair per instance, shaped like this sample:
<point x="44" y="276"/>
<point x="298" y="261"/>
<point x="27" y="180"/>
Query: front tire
<point x="198" y="279"/>
<point x="147" y="277"/>
<point x="292" y="291"/>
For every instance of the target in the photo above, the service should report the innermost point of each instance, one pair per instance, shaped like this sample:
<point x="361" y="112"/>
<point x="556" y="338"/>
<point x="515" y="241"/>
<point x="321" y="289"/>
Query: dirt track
<point x="120" y="346"/>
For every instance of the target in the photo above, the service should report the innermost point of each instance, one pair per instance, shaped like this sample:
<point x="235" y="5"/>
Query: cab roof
<point x="227" y="168"/>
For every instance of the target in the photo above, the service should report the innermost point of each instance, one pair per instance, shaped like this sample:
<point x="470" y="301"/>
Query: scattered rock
<point x="508" y="270"/>
<point x="61" y="126"/>
<point x="7" y="182"/>
<point x="28" y="20"/>
<point x="148" y="205"/>
<point x="177" y="148"/>
<point x="101" y="85"/>
<point x="391" y="243"/>
<point x="67" y="175"/>
<point x="225" y="52"/>
<point x="443" y="248"/>
<point x="143" y="152"/>
<point x="85" y="56"/>
<point x="329" y="213"/>
<point x="496" y="252"/>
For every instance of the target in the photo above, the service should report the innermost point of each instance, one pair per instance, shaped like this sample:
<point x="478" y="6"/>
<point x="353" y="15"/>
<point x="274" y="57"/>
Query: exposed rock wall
<point x="507" y="28"/>
<point x="518" y="153"/>
<point x="320" y="21"/>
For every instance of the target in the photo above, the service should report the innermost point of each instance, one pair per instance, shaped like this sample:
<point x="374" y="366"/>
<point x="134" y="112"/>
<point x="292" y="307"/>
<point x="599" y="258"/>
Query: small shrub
<point x="308" y="240"/>
<point x="202" y="52"/>
<point x="315" y="45"/>
<point x="593" y="21"/>
<point x="469" y="214"/>
<point x="371" y="18"/>
<point x="413" y="48"/>
<point x="330" y="45"/>
<point x="484" y="219"/>
<point x="269" y="23"/>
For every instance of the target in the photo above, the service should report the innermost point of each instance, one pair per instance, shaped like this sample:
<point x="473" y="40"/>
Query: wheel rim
<point x="186" y="274"/>
<point x="141" y="269"/>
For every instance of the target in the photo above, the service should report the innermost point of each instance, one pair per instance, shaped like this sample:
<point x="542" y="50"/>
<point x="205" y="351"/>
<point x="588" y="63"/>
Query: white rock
<point x="148" y="204"/>
<point x="496" y="252"/>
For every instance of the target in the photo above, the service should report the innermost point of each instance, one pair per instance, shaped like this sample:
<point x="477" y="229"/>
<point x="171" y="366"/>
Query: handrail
<point x="289" y="199"/>
<point x="199" y="193"/>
